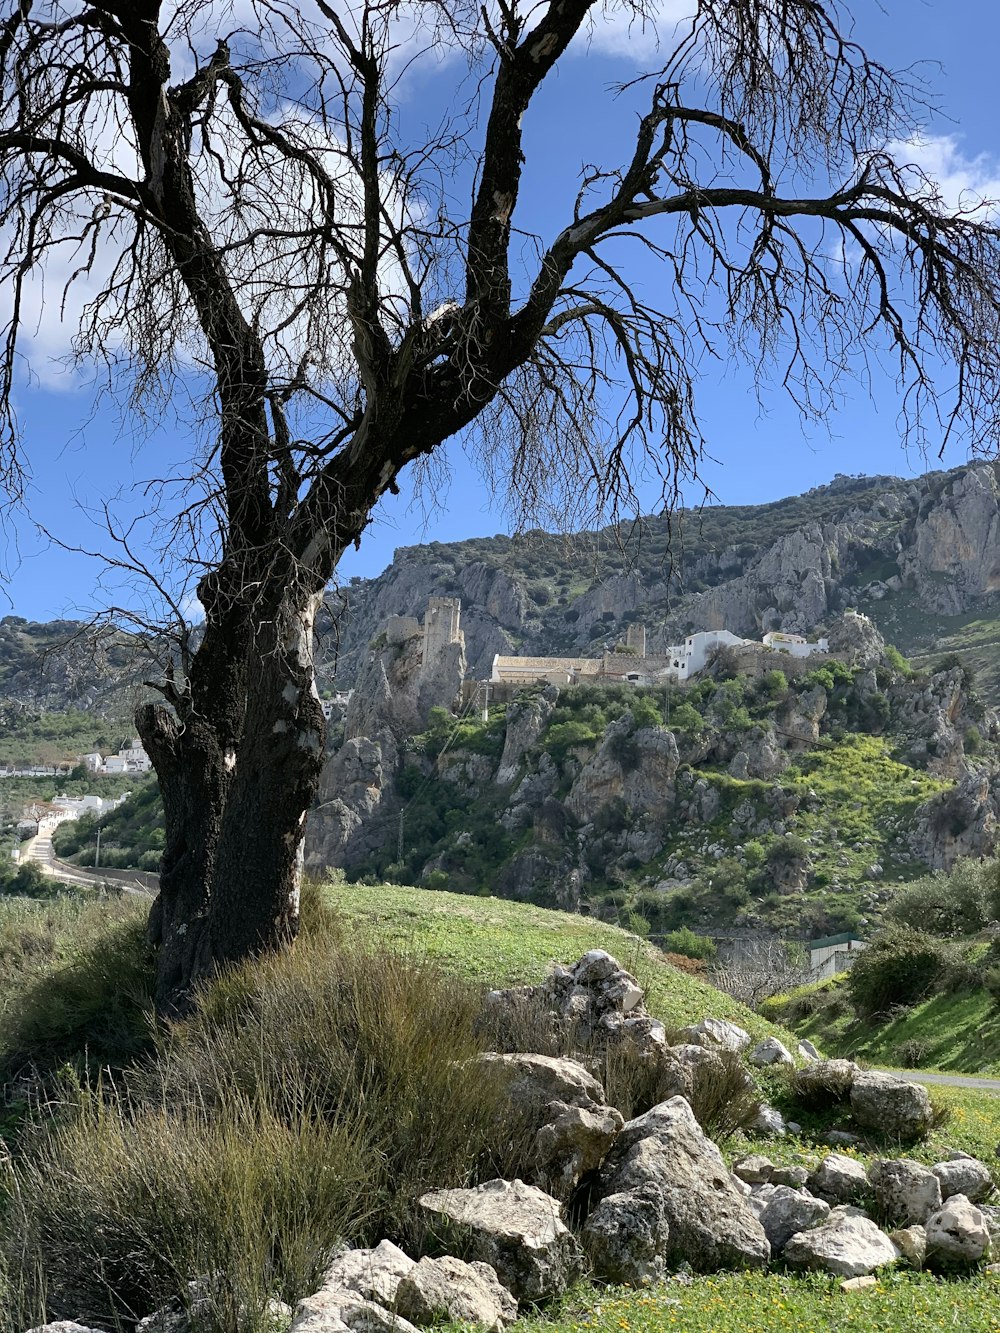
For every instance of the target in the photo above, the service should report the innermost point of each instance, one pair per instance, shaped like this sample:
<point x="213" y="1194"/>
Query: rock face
<point x="527" y="718"/>
<point x="905" y="1192"/>
<point x="957" y="1235"/>
<point x="847" y="1244"/>
<point x="515" y="1228"/>
<point x="448" y="1289"/>
<point x="891" y="1105"/>
<point x="665" y="1152"/>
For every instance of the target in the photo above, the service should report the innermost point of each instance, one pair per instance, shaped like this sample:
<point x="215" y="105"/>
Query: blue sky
<point x="83" y="454"/>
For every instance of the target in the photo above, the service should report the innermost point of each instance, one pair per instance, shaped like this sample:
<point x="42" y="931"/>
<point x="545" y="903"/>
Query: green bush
<point x="900" y="967"/>
<point x="685" y="941"/>
<point x="961" y="902"/>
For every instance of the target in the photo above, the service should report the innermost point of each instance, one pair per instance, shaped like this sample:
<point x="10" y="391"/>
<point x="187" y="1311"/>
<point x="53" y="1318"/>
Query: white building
<point x="92" y="762"/>
<point x="836" y="953"/>
<point x="693" y="654"/>
<point x="115" y="763"/>
<point x="794" y="644"/>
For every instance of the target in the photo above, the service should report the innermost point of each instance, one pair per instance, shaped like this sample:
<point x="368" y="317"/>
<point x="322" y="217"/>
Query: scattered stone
<point x="373" y="1274"/>
<point x="63" y="1326"/>
<point x="771" y="1052"/>
<point x="516" y="1228"/>
<point x="905" y="1192"/>
<point x="912" y="1244"/>
<point x="858" y="1283"/>
<point x="719" y="1031"/>
<point x="964" y="1175"/>
<point x="891" y="1105"/>
<point x="957" y="1235"/>
<point x="847" y="1244"/>
<point x="754" y="1170"/>
<point x="451" y="1291"/>
<point x="537" y="1080"/>
<point x="768" y="1122"/>
<point x="625" y="1238"/>
<point x="807" y="1051"/>
<point x="793" y="1176"/>
<point x="571" y="1145"/>
<point x="786" y="1212"/>
<point x="710" y="1223"/>
<point x="793" y="1127"/>
<point x="839" y="1179"/>
<point x="840" y="1138"/>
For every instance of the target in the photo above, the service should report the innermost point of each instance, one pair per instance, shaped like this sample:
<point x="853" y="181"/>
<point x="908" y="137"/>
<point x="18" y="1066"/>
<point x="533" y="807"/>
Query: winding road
<point x="40" y="850"/>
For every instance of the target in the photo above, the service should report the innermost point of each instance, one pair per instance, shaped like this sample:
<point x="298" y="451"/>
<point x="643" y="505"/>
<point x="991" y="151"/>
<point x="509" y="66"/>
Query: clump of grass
<point x="311" y="1098"/>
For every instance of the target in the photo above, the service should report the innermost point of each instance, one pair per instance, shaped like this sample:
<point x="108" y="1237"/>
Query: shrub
<point x="787" y="849"/>
<point x="912" y="1053"/>
<point x="961" y="902"/>
<point x="774" y="684"/>
<point x="991" y="984"/>
<point x="685" y="941"/>
<point x="897" y="661"/>
<point x="900" y="967"/>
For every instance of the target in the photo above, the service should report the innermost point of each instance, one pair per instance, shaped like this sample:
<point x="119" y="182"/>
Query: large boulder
<point x="535" y="1081"/>
<point x="893" y="1106"/>
<point x="516" y="1228"/>
<point x="625" y="1238"/>
<point x="374" y="1274"/>
<point x="721" y="1032"/>
<point x="839" y="1179"/>
<point x="847" y="1244"/>
<point x="452" y="1291"/>
<point x="957" y="1235"/>
<point x="905" y="1192"/>
<point x="710" y="1223"/>
<point x="964" y="1175"/>
<point x="783" y="1212"/>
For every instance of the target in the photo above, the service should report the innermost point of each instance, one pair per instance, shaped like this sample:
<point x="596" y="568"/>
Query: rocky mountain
<point x="771" y="798"/>
<point x="920" y="557"/>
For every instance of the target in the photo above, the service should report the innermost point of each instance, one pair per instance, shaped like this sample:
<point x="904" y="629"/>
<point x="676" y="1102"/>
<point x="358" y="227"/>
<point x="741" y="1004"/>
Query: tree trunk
<point x="238" y="777"/>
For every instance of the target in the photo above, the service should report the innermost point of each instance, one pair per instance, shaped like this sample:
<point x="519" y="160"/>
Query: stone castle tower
<point x="442" y="626"/>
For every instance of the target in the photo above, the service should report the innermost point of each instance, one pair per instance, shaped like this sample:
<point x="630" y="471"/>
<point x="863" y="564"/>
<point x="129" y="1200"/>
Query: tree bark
<point x="239" y="766"/>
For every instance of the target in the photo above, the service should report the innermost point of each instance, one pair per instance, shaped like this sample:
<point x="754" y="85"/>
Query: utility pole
<point x="97" y="850"/>
<point x="486" y="700"/>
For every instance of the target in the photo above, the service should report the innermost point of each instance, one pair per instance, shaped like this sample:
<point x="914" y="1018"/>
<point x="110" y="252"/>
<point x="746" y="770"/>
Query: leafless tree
<point x="758" y="969"/>
<point x="239" y="182"/>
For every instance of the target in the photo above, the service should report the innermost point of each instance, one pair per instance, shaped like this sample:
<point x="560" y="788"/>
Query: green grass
<point x="502" y="943"/>
<point x="773" y="1302"/>
<point x="954" y="1033"/>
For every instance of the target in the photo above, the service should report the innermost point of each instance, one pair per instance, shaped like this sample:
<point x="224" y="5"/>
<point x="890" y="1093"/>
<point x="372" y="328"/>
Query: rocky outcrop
<point x="906" y="1193"/>
<point x="635" y="768"/>
<point x="527" y="718"/>
<point x="448" y="1290"/>
<point x="625" y="1238"/>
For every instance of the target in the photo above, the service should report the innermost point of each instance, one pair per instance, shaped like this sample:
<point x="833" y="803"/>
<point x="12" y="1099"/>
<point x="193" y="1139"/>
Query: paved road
<point x="41" y="851"/>
<point x="949" y="1080"/>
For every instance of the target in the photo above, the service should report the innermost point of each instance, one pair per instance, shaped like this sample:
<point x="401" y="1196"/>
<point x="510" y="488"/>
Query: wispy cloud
<point x="970" y="184"/>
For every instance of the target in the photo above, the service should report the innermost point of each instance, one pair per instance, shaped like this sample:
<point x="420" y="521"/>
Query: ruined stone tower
<point x="635" y="640"/>
<point x="442" y="626"/>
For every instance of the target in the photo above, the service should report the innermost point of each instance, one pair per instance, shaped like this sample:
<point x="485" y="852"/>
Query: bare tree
<point x="239" y="184"/>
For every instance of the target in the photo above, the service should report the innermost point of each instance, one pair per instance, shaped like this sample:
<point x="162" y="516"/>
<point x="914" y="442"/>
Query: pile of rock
<point x="657" y="1190"/>
<point x="817" y="1220"/>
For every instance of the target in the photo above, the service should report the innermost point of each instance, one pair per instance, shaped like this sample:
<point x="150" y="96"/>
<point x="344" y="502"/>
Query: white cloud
<point x="971" y="184"/>
<point x="621" y="33"/>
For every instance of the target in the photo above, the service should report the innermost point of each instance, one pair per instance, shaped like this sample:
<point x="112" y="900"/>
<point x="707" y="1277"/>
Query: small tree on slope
<point x="261" y="217"/>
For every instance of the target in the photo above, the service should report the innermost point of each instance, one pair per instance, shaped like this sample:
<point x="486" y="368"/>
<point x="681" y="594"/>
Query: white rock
<point x="755" y="1170"/>
<point x="374" y="1274"/>
<point x="730" y="1036"/>
<point x="906" y="1192"/>
<point x="847" y="1244"/>
<point x="449" y="1290"/>
<point x="771" y="1052"/>
<point x="517" y="1229"/>
<point x="807" y="1051"/>
<point x="912" y="1244"/>
<point x="839" y="1179"/>
<point x="964" y="1175"/>
<point x="957" y="1234"/>
<point x="330" y="1311"/>
<point x="768" y="1122"/>
<point x="63" y="1326"/>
